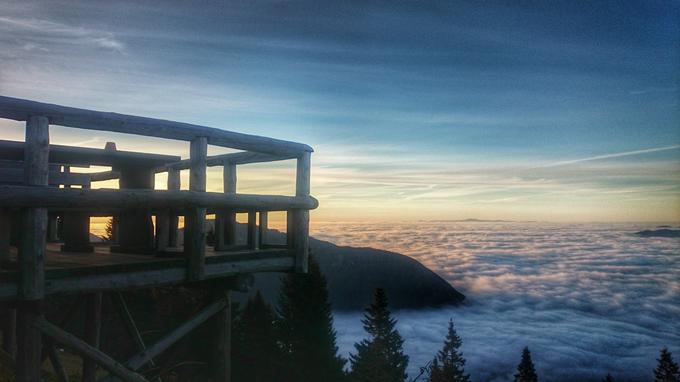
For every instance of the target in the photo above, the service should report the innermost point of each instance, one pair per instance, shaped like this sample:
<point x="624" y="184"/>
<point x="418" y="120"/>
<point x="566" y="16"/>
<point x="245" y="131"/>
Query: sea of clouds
<point x="588" y="299"/>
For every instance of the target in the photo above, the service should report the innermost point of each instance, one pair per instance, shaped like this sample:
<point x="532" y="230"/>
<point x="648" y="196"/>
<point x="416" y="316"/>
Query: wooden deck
<point x="102" y="270"/>
<point x="34" y="209"/>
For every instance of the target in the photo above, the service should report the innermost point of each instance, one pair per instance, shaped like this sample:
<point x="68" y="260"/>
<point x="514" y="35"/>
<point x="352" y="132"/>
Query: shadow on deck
<point x="103" y="270"/>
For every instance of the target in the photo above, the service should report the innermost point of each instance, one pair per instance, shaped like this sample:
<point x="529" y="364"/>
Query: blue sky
<point x="532" y="111"/>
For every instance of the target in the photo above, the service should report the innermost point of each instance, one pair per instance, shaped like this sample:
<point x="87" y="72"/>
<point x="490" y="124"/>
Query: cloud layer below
<point x="587" y="299"/>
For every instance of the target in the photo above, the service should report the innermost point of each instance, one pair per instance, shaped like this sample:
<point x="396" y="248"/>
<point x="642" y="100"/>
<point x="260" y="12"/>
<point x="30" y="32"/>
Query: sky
<point x="550" y="111"/>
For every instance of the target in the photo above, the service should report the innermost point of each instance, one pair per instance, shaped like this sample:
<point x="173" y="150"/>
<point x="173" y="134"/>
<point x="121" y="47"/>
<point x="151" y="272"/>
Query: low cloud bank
<point x="587" y="299"/>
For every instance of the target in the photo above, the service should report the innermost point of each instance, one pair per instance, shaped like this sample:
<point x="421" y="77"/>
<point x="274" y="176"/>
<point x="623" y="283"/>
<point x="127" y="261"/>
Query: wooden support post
<point x="115" y="229"/>
<point x="226" y="235"/>
<point x="76" y="232"/>
<point x="194" y="218"/>
<point x="52" y="228"/>
<point x="29" y="342"/>
<point x="252" y="230"/>
<point x="67" y="170"/>
<point x="162" y="230"/>
<point x="84" y="349"/>
<point x="32" y="253"/>
<point x="263" y="229"/>
<point x="5" y="226"/>
<point x="290" y="228"/>
<point x="135" y="228"/>
<point x="300" y="218"/>
<point x="34" y="220"/>
<point x="222" y="345"/>
<point x="93" y="325"/>
<point x="174" y="183"/>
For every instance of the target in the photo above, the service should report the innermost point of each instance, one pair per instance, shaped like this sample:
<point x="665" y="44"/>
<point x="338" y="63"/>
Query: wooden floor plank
<point x="63" y="268"/>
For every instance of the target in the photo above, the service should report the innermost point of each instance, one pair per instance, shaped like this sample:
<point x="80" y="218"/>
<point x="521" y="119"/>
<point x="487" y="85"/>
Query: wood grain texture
<point x="96" y="199"/>
<point x="194" y="217"/>
<point x="34" y="220"/>
<point x="21" y="110"/>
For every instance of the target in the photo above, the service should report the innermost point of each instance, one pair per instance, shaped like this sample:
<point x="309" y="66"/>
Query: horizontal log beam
<point x="73" y="156"/>
<point x="20" y="109"/>
<point x="104" y="175"/>
<point x="26" y="196"/>
<point x="279" y="261"/>
<point x="16" y="176"/>
<point x="84" y="349"/>
<point x="231" y="158"/>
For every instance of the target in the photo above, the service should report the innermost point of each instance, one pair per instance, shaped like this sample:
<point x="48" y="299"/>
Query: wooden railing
<point x="34" y="197"/>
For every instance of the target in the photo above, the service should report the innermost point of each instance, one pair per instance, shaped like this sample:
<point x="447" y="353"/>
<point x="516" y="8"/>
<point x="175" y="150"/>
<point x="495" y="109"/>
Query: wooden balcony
<point x="39" y="188"/>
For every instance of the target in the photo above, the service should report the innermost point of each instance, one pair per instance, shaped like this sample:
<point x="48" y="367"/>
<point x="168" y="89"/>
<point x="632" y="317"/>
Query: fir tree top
<point x="377" y="319"/>
<point x="451" y="360"/>
<point x="608" y="378"/>
<point x="666" y="370"/>
<point x="379" y="358"/>
<point x="525" y="369"/>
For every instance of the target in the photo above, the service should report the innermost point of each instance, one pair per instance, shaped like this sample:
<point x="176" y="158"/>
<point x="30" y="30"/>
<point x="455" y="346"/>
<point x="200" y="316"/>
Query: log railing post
<point x="162" y="230"/>
<point x="135" y="227"/>
<point x="166" y="220"/>
<point x="174" y="183"/>
<point x="5" y="225"/>
<point x="52" y="228"/>
<point x="76" y="232"/>
<point x="32" y="252"/>
<point x="300" y="217"/>
<point x="194" y="218"/>
<point x="263" y="229"/>
<point x="252" y="230"/>
<point x="226" y="227"/>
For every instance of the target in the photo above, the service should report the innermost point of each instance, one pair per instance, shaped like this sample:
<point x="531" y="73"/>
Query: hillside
<point x="354" y="273"/>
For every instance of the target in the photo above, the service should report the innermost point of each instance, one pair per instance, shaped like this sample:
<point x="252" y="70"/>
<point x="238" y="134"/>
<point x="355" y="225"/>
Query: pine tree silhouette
<point x="306" y="328"/>
<point x="257" y="356"/>
<point x="666" y="370"/>
<point x="525" y="369"/>
<point x="108" y="230"/>
<point x="451" y="360"/>
<point x="608" y="378"/>
<point x="379" y="358"/>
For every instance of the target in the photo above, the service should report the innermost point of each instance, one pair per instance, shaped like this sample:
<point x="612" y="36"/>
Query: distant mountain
<point x="477" y="221"/>
<point x="664" y="232"/>
<point x="354" y="273"/>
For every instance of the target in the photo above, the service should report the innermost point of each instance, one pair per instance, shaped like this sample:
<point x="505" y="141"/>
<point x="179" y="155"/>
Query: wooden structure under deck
<point x="38" y="188"/>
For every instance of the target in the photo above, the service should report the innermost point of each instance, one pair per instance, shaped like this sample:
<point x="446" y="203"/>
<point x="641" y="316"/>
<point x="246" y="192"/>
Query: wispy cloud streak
<point x="613" y="155"/>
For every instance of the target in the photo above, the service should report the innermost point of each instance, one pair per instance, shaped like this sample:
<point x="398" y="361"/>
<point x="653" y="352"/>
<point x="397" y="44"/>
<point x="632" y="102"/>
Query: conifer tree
<point x="108" y="230"/>
<point x="257" y="356"/>
<point x="306" y="327"/>
<point x="451" y="360"/>
<point x="666" y="369"/>
<point x="525" y="369"/>
<point x="380" y="358"/>
<point x="608" y="378"/>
